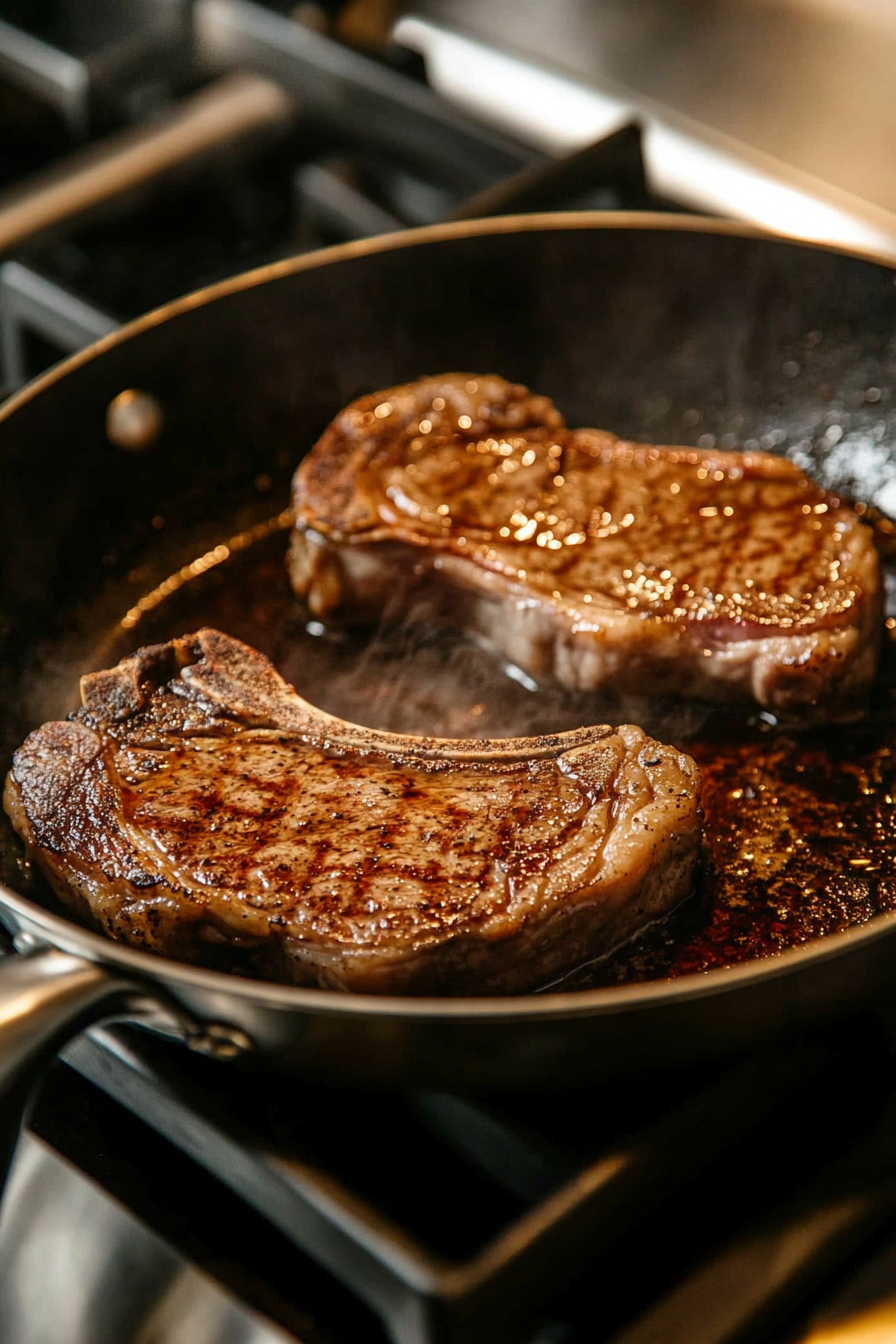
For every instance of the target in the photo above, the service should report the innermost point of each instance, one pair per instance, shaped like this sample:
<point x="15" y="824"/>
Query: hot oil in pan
<point x="801" y="842"/>
<point x="800" y="828"/>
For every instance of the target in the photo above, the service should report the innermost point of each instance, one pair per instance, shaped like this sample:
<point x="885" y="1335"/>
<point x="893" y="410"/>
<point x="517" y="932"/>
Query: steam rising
<point x="413" y="673"/>
<point x="420" y="675"/>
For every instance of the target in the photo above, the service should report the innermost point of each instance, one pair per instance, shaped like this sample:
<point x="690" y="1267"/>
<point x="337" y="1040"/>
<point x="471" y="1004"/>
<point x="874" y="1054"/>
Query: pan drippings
<point x="799" y="837"/>
<point x="800" y="828"/>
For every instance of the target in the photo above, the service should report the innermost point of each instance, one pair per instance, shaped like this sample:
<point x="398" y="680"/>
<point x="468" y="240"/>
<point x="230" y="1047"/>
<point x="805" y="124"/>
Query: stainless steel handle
<point x="46" y="997"/>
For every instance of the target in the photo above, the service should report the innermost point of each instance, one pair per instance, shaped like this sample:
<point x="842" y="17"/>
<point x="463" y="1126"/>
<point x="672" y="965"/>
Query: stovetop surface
<point x="619" y="1214"/>
<point x="806" y="82"/>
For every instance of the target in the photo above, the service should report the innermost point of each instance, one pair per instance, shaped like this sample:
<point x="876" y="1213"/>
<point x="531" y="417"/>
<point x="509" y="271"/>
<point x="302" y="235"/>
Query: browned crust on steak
<point x="197" y="807"/>
<point x="590" y="559"/>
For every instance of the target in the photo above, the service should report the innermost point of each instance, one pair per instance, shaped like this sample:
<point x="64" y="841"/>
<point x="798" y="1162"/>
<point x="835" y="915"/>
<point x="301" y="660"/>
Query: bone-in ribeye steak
<point x="197" y="807"/>
<point x="589" y="559"/>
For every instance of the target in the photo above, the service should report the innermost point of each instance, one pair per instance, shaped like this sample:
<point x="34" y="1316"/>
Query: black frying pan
<point x="641" y="324"/>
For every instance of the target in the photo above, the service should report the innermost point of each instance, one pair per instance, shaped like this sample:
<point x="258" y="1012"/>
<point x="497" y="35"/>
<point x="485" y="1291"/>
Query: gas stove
<point x="155" y="1194"/>
<point x="146" y="150"/>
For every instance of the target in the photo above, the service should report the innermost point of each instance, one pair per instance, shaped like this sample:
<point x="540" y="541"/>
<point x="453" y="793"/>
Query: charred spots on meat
<point x="777" y="870"/>
<point x="516" y="858"/>
<point x="591" y="560"/>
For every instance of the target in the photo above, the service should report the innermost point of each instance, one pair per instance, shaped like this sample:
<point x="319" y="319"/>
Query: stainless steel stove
<point x="158" y="1198"/>
<point x="782" y="112"/>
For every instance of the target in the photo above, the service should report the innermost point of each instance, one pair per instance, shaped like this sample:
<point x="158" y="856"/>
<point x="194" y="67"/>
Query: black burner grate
<point x="453" y="1219"/>
<point x="366" y="148"/>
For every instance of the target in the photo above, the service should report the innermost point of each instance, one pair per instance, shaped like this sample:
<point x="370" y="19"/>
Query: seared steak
<point x="197" y="807"/>
<point x="588" y="559"/>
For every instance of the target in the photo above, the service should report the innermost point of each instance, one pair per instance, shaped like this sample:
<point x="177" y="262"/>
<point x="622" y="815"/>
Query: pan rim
<point x="606" y="1001"/>
<point x="546" y="221"/>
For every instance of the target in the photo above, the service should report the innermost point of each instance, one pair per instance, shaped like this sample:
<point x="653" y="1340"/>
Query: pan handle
<point x="46" y="998"/>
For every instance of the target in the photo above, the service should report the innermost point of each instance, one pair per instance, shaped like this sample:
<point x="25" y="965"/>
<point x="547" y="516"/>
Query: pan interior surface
<point x="668" y="335"/>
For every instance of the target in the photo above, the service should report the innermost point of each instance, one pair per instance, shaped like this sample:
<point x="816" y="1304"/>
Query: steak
<point x="197" y="807"/>
<point x="588" y="559"/>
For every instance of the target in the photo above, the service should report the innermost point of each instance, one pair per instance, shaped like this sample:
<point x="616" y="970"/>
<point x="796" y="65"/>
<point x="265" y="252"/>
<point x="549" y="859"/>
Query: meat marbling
<point x="589" y="559"/>
<point x="197" y="807"/>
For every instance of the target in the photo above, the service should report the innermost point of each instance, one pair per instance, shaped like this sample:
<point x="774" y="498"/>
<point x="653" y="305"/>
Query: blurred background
<point x="148" y="147"/>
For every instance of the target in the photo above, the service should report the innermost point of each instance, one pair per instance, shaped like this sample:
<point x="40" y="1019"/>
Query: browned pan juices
<point x="800" y="827"/>
<point x="799" y="838"/>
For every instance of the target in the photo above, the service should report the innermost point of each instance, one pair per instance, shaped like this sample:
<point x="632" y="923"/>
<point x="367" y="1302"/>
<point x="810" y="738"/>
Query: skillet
<point x="658" y="327"/>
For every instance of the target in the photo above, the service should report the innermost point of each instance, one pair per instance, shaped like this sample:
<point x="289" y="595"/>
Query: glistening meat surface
<point x="586" y="558"/>
<point x="197" y="807"/>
